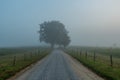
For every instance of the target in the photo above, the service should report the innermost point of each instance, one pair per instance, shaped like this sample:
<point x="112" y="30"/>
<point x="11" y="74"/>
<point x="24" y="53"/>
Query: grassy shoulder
<point x="101" y="68"/>
<point x="11" y="64"/>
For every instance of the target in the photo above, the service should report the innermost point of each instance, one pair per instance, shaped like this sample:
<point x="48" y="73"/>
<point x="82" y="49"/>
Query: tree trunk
<point x="52" y="45"/>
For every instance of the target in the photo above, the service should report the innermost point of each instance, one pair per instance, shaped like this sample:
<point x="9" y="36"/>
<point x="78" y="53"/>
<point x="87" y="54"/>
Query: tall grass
<point x="101" y="65"/>
<point x="12" y="61"/>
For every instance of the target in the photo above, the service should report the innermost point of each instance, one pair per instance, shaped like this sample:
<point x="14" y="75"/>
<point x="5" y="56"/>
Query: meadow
<point x="13" y="60"/>
<point x="102" y="60"/>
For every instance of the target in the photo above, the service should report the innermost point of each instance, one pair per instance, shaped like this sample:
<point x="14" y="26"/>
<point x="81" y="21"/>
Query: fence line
<point x="96" y="56"/>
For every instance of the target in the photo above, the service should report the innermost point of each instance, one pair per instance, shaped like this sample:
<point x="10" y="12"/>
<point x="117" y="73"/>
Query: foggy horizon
<point x="89" y="22"/>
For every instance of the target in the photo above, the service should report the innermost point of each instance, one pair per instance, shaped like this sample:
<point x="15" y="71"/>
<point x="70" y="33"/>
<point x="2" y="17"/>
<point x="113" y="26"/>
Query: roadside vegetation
<point x="103" y="61"/>
<point x="12" y="60"/>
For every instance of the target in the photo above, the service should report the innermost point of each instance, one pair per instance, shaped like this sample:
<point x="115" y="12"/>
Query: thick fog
<point x="89" y="22"/>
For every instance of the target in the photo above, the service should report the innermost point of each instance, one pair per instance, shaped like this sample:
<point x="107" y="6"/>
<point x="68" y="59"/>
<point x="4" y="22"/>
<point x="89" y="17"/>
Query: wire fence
<point x="96" y="57"/>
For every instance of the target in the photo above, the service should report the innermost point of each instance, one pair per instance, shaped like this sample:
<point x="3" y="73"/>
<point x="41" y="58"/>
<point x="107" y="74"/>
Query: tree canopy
<point x="54" y="33"/>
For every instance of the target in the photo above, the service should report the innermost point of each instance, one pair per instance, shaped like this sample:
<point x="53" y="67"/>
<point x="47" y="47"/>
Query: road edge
<point x="27" y="69"/>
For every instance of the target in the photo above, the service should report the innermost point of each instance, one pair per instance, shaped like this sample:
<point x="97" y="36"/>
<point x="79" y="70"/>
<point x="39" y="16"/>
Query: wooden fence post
<point x="80" y="53"/>
<point x="14" y="60"/>
<point x="31" y="55"/>
<point x="111" y="61"/>
<point x="77" y="52"/>
<point x="86" y="54"/>
<point x="94" y="57"/>
<point x="24" y="57"/>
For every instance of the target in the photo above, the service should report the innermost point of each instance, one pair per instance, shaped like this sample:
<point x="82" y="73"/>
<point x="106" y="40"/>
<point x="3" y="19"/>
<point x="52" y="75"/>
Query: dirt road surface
<point x="57" y="66"/>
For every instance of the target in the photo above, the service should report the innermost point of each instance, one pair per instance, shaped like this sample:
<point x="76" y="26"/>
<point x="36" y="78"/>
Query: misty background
<point x="89" y="22"/>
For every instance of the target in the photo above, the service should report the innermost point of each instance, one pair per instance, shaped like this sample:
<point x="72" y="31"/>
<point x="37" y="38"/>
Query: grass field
<point x="100" y="50"/>
<point x="98" y="60"/>
<point x="12" y="60"/>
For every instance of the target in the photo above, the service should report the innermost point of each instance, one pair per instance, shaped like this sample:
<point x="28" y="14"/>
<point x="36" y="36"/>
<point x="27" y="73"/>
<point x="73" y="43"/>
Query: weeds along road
<point x="58" y="66"/>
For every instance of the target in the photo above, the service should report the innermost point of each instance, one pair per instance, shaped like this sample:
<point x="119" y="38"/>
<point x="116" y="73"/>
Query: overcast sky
<point x="89" y="22"/>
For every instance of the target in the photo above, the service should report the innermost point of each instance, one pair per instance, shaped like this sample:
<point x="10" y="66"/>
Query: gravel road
<point x="58" y="66"/>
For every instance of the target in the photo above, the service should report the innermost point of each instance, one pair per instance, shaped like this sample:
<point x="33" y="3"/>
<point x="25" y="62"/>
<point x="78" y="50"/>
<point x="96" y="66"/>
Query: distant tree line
<point x="54" y="33"/>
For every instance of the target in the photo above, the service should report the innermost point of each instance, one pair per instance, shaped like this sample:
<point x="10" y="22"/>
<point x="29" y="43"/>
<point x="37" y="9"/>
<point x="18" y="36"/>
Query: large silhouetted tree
<point x="54" y="33"/>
